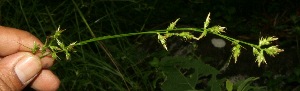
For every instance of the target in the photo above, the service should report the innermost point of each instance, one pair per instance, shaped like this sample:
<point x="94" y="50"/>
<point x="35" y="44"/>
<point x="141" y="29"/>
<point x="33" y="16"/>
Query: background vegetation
<point x="141" y="63"/>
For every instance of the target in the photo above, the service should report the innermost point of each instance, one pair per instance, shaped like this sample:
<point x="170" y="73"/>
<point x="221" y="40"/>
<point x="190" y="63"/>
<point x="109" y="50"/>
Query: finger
<point x="18" y="70"/>
<point x="15" y="40"/>
<point x="46" y="81"/>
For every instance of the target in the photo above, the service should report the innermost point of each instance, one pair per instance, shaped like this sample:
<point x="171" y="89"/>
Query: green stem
<point x="233" y="40"/>
<point x="113" y="36"/>
<point x="163" y="32"/>
<point x="131" y="34"/>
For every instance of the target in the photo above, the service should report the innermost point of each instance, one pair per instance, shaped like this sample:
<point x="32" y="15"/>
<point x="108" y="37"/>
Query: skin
<point x="11" y="51"/>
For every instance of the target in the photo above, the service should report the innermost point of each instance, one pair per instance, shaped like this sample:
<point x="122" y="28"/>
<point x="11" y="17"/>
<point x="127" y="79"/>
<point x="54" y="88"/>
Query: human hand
<point x="19" y="67"/>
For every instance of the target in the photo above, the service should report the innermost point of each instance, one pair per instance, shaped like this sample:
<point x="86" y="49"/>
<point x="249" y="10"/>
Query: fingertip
<point x="46" y="81"/>
<point x="27" y="67"/>
<point x="19" y="69"/>
<point x="47" y="61"/>
<point x="16" y="40"/>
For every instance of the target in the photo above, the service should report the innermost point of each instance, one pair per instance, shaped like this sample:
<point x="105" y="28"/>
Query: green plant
<point x="243" y="85"/>
<point x="183" y="73"/>
<point x="172" y="72"/>
<point x="57" y="46"/>
<point x="258" y="50"/>
<point x="93" y="68"/>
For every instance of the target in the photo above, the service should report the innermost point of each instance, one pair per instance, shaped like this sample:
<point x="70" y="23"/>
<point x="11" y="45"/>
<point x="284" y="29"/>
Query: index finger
<point x="14" y="40"/>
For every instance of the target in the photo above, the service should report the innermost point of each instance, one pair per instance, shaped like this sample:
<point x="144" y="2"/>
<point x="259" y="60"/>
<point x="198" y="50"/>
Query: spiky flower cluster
<point x="272" y="50"/>
<point x="258" y="51"/>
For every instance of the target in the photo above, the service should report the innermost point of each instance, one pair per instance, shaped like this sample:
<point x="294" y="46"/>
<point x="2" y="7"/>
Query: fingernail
<point x="27" y="67"/>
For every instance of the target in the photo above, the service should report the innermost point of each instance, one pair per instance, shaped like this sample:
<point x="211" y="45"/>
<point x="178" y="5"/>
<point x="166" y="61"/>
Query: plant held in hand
<point x="56" y="46"/>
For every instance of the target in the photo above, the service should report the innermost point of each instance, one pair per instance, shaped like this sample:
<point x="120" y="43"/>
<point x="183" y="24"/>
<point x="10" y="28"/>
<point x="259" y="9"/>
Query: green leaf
<point x="229" y="85"/>
<point x="182" y="73"/>
<point x="214" y="84"/>
<point x="154" y="62"/>
<point x="245" y="85"/>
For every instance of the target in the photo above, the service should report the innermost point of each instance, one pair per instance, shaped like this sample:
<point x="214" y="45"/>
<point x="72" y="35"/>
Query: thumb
<point x="18" y="70"/>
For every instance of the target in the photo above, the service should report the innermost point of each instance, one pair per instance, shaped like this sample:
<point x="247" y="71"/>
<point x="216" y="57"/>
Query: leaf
<point x="245" y="85"/>
<point x="176" y="80"/>
<point x="229" y="85"/>
<point x="214" y="84"/>
<point x="154" y="62"/>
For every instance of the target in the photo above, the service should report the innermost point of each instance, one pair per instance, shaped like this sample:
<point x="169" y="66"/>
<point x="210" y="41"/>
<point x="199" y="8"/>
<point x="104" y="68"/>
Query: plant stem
<point x="233" y="40"/>
<point x="114" y="36"/>
<point x="163" y="32"/>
